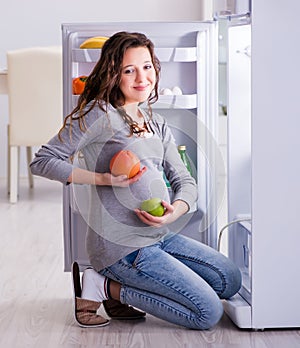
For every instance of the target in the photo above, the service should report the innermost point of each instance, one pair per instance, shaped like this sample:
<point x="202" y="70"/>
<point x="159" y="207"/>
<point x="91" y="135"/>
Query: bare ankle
<point x="114" y="289"/>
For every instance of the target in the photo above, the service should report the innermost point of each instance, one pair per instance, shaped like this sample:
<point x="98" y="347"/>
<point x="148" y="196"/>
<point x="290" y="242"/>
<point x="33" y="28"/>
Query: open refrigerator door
<point x="263" y="190"/>
<point x="239" y="167"/>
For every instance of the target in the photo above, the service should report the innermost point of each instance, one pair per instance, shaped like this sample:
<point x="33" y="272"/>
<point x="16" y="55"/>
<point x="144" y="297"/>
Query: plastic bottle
<point x="185" y="158"/>
<point x="166" y="180"/>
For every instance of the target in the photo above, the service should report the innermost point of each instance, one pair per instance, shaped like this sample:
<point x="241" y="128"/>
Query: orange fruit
<point x="124" y="162"/>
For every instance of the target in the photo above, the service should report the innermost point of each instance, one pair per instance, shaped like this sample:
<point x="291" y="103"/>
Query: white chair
<point x="35" y="104"/>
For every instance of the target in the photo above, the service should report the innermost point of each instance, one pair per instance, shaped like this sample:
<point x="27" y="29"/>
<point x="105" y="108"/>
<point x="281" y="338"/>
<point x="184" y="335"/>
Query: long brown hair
<point x="102" y="85"/>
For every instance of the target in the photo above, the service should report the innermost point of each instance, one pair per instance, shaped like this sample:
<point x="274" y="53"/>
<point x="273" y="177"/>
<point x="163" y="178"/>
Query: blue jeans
<point x="177" y="279"/>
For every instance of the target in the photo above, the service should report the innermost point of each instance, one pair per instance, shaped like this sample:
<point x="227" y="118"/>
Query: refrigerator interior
<point x="188" y="56"/>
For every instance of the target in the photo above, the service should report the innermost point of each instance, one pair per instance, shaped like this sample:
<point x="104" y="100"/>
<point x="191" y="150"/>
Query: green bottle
<point x="166" y="180"/>
<point x="185" y="158"/>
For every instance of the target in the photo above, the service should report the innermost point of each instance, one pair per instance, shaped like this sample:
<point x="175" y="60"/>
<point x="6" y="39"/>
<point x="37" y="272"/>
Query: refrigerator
<point x="263" y="166"/>
<point x="189" y="52"/>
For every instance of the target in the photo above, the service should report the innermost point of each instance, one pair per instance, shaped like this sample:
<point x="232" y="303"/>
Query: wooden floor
<point x="36" y="295"/>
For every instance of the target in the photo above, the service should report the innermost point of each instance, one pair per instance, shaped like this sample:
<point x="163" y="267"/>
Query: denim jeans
<point x="177" y="279"/>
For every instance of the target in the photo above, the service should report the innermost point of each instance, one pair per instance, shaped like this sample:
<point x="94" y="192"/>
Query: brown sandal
<point x="117" y="310"/>
<point x="85" y="310"/>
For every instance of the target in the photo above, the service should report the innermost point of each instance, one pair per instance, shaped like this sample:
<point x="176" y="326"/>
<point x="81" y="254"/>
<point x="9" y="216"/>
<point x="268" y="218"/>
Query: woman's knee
<point x="233" y="280"/>
<point x="210" y="316"/>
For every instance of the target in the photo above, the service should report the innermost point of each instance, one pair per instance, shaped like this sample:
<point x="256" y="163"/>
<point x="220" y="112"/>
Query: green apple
<point x="153" y="206"/>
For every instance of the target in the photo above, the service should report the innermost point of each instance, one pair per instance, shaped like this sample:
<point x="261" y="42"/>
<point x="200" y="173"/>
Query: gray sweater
<point x="113" y="229"/>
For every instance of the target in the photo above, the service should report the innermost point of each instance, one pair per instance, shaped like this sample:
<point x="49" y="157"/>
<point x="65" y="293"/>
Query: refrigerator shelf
<point x="164" y="54"/>
<point x="187" y="101"/>
<point x="177" y="54"/>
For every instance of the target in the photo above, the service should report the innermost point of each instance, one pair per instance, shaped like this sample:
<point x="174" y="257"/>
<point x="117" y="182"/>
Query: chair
<point x="35" y="104"/>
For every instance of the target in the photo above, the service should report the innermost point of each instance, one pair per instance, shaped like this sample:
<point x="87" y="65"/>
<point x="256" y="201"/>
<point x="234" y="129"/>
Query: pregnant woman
<point x="137" y="259"/>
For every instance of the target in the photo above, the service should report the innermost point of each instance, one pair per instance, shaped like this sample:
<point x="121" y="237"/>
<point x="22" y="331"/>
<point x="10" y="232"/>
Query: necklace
<point x="140" y="130"/>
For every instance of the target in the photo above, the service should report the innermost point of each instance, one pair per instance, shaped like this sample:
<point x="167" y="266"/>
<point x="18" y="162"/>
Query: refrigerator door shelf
<point x="188" y="101"/>
<point x="240" y="251"/>
<point x="164" y="54"/>
<point x="239" y="311"/>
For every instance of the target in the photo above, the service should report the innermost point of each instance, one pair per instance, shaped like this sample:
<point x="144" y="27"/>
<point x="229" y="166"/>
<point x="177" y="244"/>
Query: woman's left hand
<point x="169" y="216"/>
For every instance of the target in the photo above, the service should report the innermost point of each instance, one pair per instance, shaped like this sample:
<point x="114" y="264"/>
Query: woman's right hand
<point x="107" y="179"/>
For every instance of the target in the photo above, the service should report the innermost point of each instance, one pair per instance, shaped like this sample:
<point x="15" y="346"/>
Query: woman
<point x="137" y="259"/>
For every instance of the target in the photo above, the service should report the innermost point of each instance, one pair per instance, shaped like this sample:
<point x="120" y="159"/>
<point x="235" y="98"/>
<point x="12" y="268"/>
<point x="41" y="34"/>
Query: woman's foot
<point x="95" y="289"/>
<point x="86" y="313"/>
<point x="85" y="310"/>
<point x="94" y="286"/>
<point x="116" y="310"/>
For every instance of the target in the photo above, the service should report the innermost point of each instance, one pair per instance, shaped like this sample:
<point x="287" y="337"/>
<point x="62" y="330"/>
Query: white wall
<point x="35" y="22"/>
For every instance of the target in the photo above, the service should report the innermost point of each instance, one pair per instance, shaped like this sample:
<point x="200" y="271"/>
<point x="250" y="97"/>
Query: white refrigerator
<point x="264" y="246"/>
<point x="263" y="166"/>
<point x="189" y="60"/>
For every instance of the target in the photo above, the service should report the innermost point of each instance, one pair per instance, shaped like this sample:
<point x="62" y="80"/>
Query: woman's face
<point x="137" y="75"/>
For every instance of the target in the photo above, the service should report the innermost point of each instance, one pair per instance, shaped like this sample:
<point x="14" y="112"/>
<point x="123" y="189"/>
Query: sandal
<point x="85" y="311"/>
<point x="117" y="310"/>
